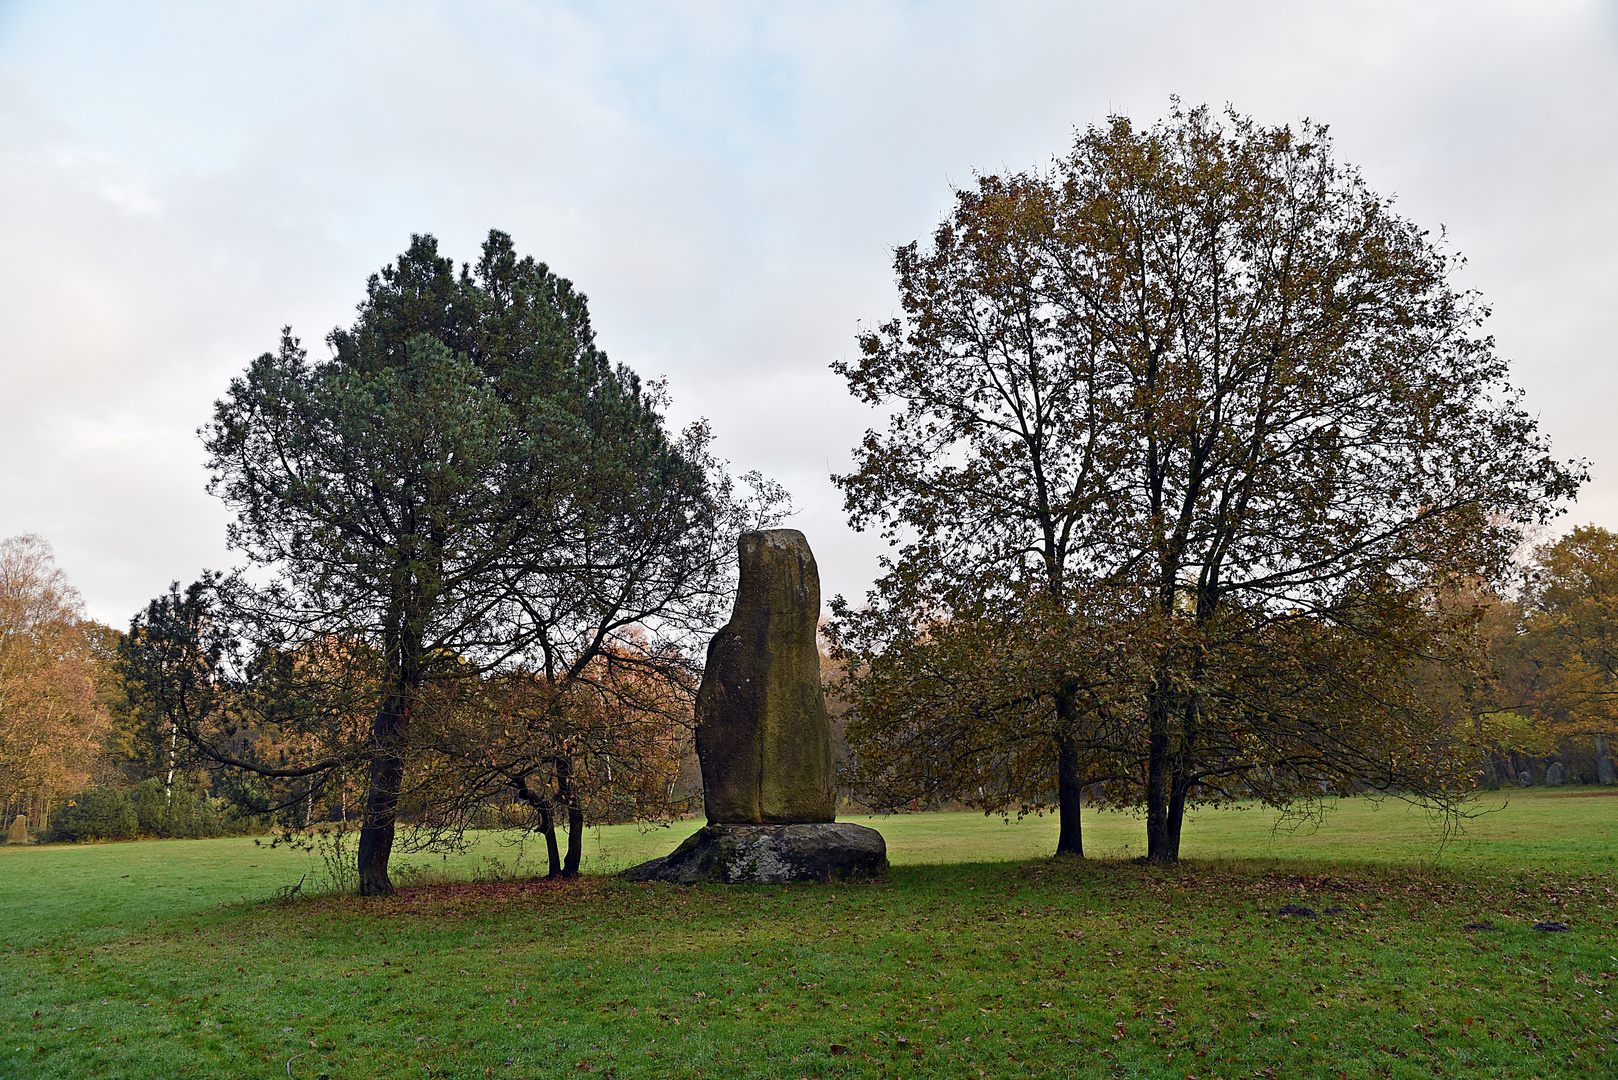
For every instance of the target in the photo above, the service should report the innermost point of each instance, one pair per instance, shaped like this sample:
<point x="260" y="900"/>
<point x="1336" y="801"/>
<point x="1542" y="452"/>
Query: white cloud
<point x="725" y="181"/>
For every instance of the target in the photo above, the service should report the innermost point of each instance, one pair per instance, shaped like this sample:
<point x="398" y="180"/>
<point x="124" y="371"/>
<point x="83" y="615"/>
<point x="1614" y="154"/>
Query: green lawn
<point x="1569" y="829"/>
<point x="978" y="956"/>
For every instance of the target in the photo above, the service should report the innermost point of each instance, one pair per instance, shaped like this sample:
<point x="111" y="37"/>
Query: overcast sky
<point x="724" y="181"/>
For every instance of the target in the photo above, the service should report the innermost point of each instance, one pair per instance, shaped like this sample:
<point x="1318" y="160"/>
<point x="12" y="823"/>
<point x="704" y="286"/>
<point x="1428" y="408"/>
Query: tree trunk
<point x="547" y="826"/>
<point x="168" y="781"/>
<point x="382" y="796"/>
<point x="547" y="823"/>
<point x="575" y="841"/>
<point x="1159" y="844"/>
<point x="1604" y="770"/>
<point x="1069" y="780"/>
<point x="575" y="817"/>
<point x="1179" y="785"/>
<point x="1181" y="764"/>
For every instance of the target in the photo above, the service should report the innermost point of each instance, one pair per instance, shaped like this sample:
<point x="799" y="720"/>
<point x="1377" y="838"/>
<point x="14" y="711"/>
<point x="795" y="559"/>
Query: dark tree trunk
<point x="575" y="817"/>
<point x="1069" y="781"/>
<point x="547" y="826"/>
<point x="386" y="777"/>
<point x="1159" y="845"/>
<point x="376" y="827"/>
<point x="575" y="841"/>
<point x="547" y="823"/>
<point x="1182" y="763"/>
<point x="1178" y="787"/>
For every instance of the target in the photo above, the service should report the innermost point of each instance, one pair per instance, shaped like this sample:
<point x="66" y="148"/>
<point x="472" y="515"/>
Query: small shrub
<point x="181" y="811"/>
<point x="153" y="810"/>
<point x="96" y="813"/>
<point x="338" y="850"/>
<point x="172" y="811"/>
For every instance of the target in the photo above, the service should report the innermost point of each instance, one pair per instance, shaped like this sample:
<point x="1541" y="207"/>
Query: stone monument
<point x="764" y="740"/>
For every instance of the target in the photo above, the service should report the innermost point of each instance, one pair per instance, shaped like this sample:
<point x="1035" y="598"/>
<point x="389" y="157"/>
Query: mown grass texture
<point x="1029" y="967"/>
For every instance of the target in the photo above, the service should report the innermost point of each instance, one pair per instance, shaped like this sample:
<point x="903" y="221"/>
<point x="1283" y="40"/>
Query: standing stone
<point x="1556" y="775"/>
<point x="1604" y="770"/>
<point x="18" y="833"/>
<point x="768" y="780"/>
<point x="762" y="732"/>
<point x="1525" y="778"/>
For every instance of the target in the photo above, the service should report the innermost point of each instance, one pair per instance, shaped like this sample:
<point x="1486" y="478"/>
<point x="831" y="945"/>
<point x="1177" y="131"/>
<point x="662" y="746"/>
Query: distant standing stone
<point x="1556" y="774"/>
<point x="18" y="833"/>
<point x="1525" y="778"/>
<point x="762" y="732"/>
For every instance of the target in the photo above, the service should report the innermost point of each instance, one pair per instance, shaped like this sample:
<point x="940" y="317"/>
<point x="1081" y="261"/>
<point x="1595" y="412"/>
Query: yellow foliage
<point x="50" y="720"/>
<point x="1514" y="733"/>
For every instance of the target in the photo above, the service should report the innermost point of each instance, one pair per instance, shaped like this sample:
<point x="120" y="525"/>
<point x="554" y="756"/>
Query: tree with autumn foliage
<point x="604" y="745"/>
<point x="1185" y="432"/>
<point x="51" y="719"/>
<point x="1555" y="650"/>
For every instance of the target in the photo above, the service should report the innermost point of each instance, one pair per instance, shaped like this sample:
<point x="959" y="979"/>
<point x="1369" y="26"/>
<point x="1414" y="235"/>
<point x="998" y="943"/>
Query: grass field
<point x="978" y="956"/>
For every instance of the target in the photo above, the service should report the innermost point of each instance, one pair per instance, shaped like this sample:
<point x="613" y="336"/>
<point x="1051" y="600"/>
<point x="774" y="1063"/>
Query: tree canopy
<point x="1185" y="431"/>
<point x="51" y="721"/>
<point x="1552" y="686"/>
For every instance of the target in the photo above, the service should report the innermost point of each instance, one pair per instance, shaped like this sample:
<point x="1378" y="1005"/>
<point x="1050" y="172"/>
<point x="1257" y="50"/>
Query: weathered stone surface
<point x="762" y="732"/>
<point x="765" y="741"/>
<point x="18" y="833"/>
<point x="1525" y="778"/>
<point x="770" y="855"/>
<point x="1556" y="775"/>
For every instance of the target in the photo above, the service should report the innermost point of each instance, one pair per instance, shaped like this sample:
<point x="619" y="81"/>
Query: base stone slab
<point x="770" y="855"/>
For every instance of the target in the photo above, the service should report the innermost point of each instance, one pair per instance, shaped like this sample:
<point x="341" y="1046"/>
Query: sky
<point x="726" y="182"/>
